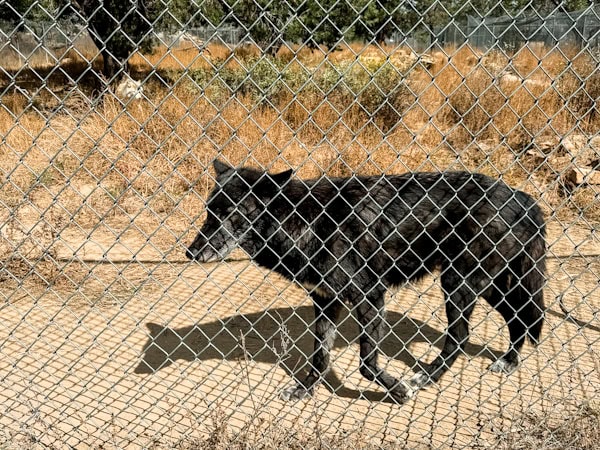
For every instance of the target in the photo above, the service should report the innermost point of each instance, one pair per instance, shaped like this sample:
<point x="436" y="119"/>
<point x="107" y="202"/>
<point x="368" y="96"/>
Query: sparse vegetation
<point x="579" y="430"/>
<point x="72" y="161"/>
<point x="358" y="110"/>
<point x="100" y="164"/>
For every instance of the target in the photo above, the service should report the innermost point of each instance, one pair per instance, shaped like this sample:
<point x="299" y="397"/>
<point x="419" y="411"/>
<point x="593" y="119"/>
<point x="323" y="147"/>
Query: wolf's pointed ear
<point x="221" y="167"/>
<point x="281" y="178"/>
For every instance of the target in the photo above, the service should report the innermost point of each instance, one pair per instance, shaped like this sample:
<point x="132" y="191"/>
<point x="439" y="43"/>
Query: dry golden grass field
<point x="110" y="339"/>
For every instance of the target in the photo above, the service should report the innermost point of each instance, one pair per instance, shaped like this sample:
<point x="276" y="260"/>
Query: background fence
<point x="110" y="338"/>
<point x="577" y="28"/>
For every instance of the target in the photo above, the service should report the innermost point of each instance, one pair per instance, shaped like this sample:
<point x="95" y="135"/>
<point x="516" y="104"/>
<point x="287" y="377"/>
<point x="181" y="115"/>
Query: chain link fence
<point x="576" y="28"/>
<point x="111" y="116"/>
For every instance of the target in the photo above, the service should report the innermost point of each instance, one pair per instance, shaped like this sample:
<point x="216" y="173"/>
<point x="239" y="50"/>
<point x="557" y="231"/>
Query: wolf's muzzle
<point x="192" y="253"/>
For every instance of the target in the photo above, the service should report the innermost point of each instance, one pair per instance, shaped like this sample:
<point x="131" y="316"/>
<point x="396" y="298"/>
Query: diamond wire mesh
<point x="110" y="337"/>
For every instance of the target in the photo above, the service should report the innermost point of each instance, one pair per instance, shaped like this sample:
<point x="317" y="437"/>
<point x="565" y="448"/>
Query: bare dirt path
<point x="160" y="353"/>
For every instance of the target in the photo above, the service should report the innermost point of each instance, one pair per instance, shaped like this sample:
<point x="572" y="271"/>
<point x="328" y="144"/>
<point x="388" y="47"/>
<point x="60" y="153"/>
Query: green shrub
<point x="376" y="89"/>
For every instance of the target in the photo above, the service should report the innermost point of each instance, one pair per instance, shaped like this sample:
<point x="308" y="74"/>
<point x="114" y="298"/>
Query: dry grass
<point x="578" y="430"/>
<point x="363" y="110"/>
<point x="144" y="168"/>
<point x="268" y="434"/>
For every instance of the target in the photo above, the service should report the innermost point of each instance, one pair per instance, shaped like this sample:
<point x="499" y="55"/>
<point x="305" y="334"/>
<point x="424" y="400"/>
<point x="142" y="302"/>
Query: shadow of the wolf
<point x="279" y="336"/>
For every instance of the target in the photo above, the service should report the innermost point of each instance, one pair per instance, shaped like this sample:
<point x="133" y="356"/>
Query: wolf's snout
<point x="196" y="248"/>
<point x="192" y="253"/>
<point x="202" y="250"/>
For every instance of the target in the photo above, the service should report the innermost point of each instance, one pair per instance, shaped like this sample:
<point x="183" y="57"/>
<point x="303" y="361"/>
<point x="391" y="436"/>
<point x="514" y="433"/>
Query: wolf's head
<point x="239" y="198"/>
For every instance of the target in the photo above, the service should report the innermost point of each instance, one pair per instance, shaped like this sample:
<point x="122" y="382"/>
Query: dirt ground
<point x="133" y="346"/>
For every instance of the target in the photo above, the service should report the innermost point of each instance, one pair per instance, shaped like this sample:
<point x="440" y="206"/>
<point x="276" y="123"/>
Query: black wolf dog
<point x="347" y="240"/>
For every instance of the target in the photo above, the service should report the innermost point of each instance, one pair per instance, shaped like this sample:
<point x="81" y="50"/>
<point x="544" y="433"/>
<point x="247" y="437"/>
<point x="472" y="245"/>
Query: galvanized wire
<point x="111" y="337"/>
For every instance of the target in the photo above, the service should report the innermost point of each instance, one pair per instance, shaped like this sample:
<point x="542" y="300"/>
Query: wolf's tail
<point x="529" y="279"/>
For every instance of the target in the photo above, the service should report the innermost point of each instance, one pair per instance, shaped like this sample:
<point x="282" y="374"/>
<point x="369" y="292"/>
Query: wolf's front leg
<point x="370" y="313"/>
<point x="327" y="312"/>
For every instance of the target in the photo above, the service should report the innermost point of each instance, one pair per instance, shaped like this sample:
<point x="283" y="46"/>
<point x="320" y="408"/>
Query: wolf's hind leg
<point x="460" y="301"/>
<point x="510" y="361"/>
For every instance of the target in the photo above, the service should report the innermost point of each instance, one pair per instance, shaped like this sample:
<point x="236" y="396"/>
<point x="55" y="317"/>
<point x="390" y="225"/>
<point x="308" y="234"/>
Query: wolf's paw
<point x="502" y="365"/>
<point x="297" y="392"/>
<point x="418" y="380"/>
<point x="402" y="392"/>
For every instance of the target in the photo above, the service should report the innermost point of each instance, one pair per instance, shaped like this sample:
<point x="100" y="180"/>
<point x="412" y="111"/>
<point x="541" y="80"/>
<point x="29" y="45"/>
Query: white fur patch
<point x="419" y="380"/>
<point x="311" y="287"/>
<point x="503" y="366"/>
<point x="129" y="89"/>
<point x="295" y="392"/>
<point x="410" y="391"/>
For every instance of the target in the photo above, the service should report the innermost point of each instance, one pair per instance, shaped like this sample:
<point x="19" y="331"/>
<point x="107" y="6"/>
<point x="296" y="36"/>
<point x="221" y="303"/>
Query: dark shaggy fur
<point x="349" y="239"/>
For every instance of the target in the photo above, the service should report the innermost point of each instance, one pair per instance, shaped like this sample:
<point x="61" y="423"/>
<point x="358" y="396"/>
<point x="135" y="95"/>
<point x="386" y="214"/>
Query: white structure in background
<point x="129" y="89"/>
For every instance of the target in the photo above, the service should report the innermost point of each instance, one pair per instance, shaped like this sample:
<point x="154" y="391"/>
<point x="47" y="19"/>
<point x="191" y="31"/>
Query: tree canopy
<point x="118" y="27"/>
